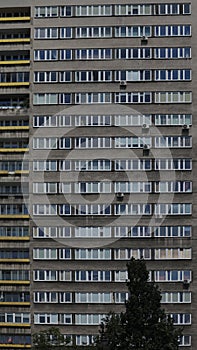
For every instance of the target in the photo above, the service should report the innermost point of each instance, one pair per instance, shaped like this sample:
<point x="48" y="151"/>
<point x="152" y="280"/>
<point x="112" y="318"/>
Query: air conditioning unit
<point x="145" y="126"/>
<point x="185" y="127"/>
<point x="146" y="147"/>
<point x="11" y="172"/>
<point x="123" y="83"/>
<point x="120" y="195"/>
<point x="159" y="216"/>
<point x="144" y="38"/>
<point x="186" y="283"/>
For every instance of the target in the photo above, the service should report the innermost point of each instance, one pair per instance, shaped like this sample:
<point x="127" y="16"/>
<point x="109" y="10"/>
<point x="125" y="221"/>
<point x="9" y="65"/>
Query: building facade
<point x="97" y="122"/>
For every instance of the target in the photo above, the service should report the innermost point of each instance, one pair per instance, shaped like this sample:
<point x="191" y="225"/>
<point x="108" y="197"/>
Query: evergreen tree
<point x="144" y="324"/>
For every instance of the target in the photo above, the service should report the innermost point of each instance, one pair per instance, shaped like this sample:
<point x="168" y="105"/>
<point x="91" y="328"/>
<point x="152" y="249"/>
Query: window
<point x="133" y="119"/>
<point x="133" y="31"/>
<point x="135" y="231"/>
<point x="133" y="53"/>
<point x="85" y="339"/>
<point x="173" y="164"/>
<point x="172" y="30"/>
<point x="45" y="275"/>
<point x="65" y="297"/>
<point x="93" y="54"/>
<point x="14" y="317"/>
<point x="45" y="121"/>
<point x="173" y="141"/>
<point x="94" y="10"/>
<point x="173" y="119"/>
<point x="170" y="253"/>
<point x="172" y="52"/>
<point x="133" y="187"/>
<point x="92" y="254"/>
<point x="96" y="298"/>
<point x="93" y="165"/>
<point x="65" y="54"/>
<point x="173" y="209"/>
<point x="45" y="253"/>
<point x="176" y="297"/>
<point x="173" y="231"/>
<point x="133" y="97"/>
<point x="173" y="186"/>
<point x="45" y="143"/>
<point x="133" y="10"/>
<point x="133" y="164"/>
<point x="132" y="142"/>
<point x="45" y="297"/>
<point x="172" y="275"/>
<point x="93" y="32"/>
<point x="92" y="231"/>
<point x="66" y="33"/>
<point x="185" y="340"/>
<point x="44" y="209"/>
<point x="121" y="276"/>
<point x="45" y="165"/>
<point x="92" y="209"/>
<point x="46" y="11"/>
<point x="46" y="77"/>
<point x="91" y="76"/>
<point x="172" y="74"/>
<point x="45" y="99"/>
<point x="46" y="33"/>
<point x="93" y="275"/>
<point x="133" y="75"/>
<point x="45" y="318"/>
<point x="89" y="319"/>
<point x="45" y="55"/>
<point x="64" y="253"/>
<point x="93" y="187"/>
<point x="181" y="318"/>
<point x="127" y="254"/>
<point x="93" y="142"/>
<point x="173" y="97"/>
<point x="44" y="187"/>
<point x="66" y="11"/>
<point x="121" y="297"/>
<point x="44" y="232"/>
<point x="93" y="97"/>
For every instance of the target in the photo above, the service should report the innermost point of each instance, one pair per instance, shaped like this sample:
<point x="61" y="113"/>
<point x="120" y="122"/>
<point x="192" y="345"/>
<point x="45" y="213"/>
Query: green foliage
<point x="49" y="339"/>
<point x="144" y="324"/>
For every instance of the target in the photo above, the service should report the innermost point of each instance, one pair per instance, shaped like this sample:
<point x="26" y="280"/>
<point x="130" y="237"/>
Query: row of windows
<point x="117" y="209"/>
<point x="13" y="144"/>
<point x="105" y="297"/>
<point x="184" y="340"/>
<point x="107" y="276"/>
<point x="93" y="319"/>
<point x="12" y="122"/>
<point x="110" y="120"/>
<point x="15" y="35"/>
<point x="108" y="142"/>
<point x="110" y="187"/>
<point x="108" y="75"/>
<point x="13" y="77"/>
<point x="10" y="165"/>
<point x="110" y="231"/>
<point x="14" y="254"/>
<point x="116" y="97"/>
<point x="111" y="10"/>
<point x="107" y="32"/>
<point x="106" y="254"/>
<point x="15" y="317"/>
<point x="108" y="165"/>
<point x="14" y="231"/>
<point x="14" y="189"/>
<point x="13" y="209"/>
<point x="14" y="297"/>
<point x="112" y="53"/>
<point x="15" y="339"/>
<point x="14" y="275"/>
